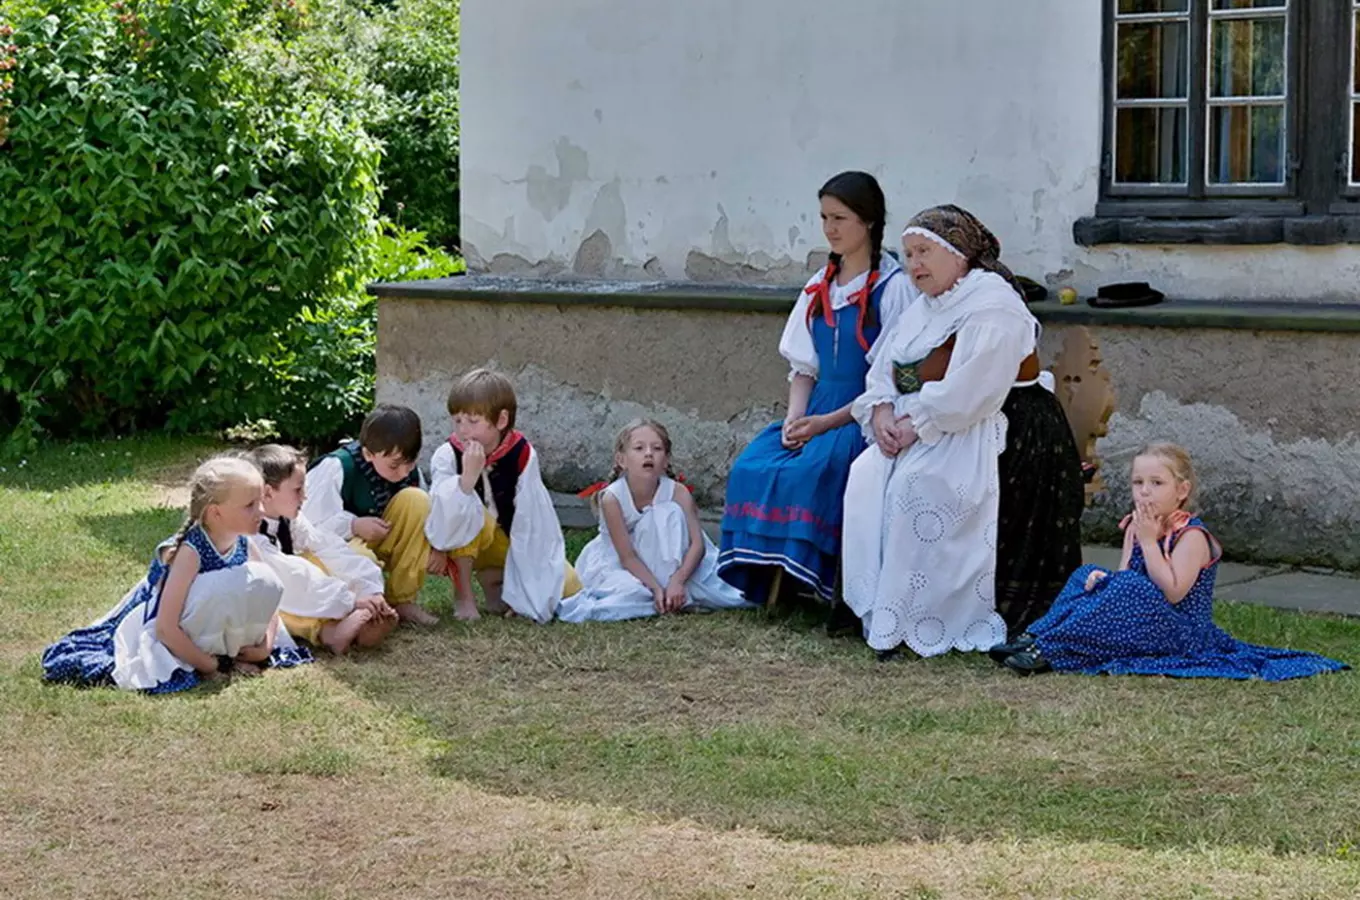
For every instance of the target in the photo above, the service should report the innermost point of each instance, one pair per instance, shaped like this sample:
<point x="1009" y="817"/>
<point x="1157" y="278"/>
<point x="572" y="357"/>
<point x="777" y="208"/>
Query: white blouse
<point x="994" y="332"/>
<point x="325" y="506"/>
<point x="796" y="345"/>
<point x="535" y="566"/>
<point x="324" y="595"/>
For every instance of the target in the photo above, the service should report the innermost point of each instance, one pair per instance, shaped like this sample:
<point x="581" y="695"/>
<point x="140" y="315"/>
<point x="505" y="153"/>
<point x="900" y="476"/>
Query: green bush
<point x="415" y="62"/>
<point x="321" y="371"/>
<point x="168" y="211"/>
<point x="397" y="65"/>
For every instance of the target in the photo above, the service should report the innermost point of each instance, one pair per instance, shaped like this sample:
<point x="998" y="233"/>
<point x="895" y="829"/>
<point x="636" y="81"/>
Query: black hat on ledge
<point x="1126" y="294"/>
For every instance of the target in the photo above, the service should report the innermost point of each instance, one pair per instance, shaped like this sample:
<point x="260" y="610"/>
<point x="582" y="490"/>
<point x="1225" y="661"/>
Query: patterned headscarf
<point x="960" y="231"/>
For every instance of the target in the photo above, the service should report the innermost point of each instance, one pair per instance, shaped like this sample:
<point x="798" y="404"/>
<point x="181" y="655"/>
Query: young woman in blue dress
<point x="784" y="493"/>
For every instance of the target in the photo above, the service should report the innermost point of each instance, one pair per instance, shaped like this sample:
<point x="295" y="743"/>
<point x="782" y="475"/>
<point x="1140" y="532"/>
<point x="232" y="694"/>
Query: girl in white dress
<point x="921" y="506"/>
<point x="651" y="556"/>
<point x="207" y="606"/>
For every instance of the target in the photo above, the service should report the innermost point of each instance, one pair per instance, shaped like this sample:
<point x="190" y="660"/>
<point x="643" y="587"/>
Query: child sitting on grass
<point x="1155" y="614"/>
<point x="331" y="594"/>
<point x="651" y="556"/>
<point x="490" y="509"/>
<point x="368" y="492"/>
<point x="206" y="608"/>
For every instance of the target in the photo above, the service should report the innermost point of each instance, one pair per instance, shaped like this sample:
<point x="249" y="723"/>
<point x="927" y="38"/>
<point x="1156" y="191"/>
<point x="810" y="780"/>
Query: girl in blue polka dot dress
<point x="1154" y="616"/>
<point x="207" y="606"/>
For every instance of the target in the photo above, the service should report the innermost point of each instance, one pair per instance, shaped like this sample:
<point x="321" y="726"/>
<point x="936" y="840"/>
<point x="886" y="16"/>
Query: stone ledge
<point x="1228" y="314"/>
<point x="567" y="292"/>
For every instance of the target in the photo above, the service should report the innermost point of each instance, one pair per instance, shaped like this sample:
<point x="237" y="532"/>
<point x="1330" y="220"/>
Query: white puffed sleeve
<point x="536" y="565"/>
<point x="795" y="344"/>
<point x="455" y="517"/>
<point x="988" y="350"/>
<point x="325" y="506"/>
<point x="358" y="572"/>
<point x="307" y="590"/>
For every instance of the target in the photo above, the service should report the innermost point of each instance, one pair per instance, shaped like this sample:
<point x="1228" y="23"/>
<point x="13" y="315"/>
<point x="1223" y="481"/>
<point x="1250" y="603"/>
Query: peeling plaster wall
<point x="1269" y="419"/>
<point x="663" y="140"/>
<point x="1268" y="416"/>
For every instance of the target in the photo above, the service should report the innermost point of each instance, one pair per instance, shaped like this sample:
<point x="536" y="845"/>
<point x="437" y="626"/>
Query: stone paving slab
<point x="1337" y="593"/>
<point x="1280" y="587"/>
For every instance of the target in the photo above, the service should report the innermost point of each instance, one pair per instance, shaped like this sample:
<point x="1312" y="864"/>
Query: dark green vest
<point x="364" y="492"/>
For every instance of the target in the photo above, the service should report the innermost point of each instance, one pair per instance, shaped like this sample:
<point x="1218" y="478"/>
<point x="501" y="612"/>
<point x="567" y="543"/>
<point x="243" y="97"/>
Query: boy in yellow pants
<point x="369" y="492"/>
<point x="490" y="509"/>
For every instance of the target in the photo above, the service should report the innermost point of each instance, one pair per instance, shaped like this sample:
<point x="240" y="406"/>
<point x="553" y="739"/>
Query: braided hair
<point x="210" y="484"/>
<point x="625" y="435"/>
<point x="620" y="445"/>
<point x="861" y="193"/>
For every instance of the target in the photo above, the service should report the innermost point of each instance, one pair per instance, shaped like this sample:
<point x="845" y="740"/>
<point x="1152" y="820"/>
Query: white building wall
<point x="631" y="139"/>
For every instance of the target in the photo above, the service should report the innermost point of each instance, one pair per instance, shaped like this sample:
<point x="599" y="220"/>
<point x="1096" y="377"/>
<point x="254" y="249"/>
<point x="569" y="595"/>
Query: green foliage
<point x="397" y="65"/>
<point x="168" y="212"/>
<point x="321" y="371"/>
<point x="192" y="206"/>
<point x="415" y="63"/>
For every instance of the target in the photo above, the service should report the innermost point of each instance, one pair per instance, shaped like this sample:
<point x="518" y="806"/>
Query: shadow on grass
<point x="134" y="534"/>
<point x="761" y="721"/>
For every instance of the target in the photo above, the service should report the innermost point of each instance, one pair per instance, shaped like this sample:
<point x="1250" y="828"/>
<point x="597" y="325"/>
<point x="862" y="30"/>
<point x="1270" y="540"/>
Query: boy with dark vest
<point x="490" y="509"/>
<point x="369" y="492"/>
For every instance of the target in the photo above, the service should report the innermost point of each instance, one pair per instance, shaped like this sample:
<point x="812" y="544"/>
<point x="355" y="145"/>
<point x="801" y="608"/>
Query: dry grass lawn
<point x="706" y="756"/>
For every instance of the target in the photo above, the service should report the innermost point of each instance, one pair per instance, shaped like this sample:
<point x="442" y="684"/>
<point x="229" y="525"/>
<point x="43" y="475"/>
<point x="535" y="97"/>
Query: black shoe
<point x="1019" y="644"/>
<point x="888" y="655"/>
<point x="1029" y="662"/>
<point x="842" y="621"/>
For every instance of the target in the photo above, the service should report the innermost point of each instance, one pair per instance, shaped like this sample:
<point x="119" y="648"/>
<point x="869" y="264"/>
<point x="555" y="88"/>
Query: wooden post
<point x="1086" y="393"/>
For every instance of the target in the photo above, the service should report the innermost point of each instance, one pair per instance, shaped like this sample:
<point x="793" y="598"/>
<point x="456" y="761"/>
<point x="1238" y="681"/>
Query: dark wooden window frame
<point x="1317" y="204"/>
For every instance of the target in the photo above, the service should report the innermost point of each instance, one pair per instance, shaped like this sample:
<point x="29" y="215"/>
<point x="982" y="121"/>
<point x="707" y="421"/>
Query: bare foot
<point x="411" y="612"/>
<point x="245" y="668"/>
<point x="498" y="607"/>
<point x="339" y="636"/>
<point x="373" y="634"/>
<point x="465" y="609"/>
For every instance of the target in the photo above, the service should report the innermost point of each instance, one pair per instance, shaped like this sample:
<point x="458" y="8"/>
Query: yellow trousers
<point x="405" y="552"/>
<point x="306" y="628"/>
<point x="490" y="547"/>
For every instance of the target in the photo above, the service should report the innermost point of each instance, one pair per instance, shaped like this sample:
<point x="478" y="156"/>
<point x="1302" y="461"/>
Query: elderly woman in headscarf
<point x="963" y="521"/>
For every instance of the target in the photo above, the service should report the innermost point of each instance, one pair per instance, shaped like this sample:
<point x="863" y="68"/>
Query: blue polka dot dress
<point x="1126" y="626"/>
<point x="229" y="606"/>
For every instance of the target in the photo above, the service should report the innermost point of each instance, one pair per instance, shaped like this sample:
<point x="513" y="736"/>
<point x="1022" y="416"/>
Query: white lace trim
<point x="930" y="235"/>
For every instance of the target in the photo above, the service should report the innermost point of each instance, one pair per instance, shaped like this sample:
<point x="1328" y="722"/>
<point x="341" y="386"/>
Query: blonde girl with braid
<point x="651" y="556"/>
<point x="206" y="608"/>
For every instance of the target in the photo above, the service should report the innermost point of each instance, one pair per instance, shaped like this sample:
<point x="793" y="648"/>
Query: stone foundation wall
<point x="1269" y="416"/>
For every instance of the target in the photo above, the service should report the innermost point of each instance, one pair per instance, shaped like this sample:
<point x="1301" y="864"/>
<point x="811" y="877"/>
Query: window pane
<point x="1246" y="144"/>
<point x="1248" y="58"/>
<point x="1152" y="6"/>
<point x="1355" y="144"/>
<point x="1153" y="61"/>
<point x="1355" y="46"/>
<point x="1150" y="145"/>
<point x="1250" y="4"/>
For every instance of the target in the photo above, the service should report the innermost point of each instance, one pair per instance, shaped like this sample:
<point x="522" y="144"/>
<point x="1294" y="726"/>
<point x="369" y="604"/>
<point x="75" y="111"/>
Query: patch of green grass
<point x="751" y="720"/>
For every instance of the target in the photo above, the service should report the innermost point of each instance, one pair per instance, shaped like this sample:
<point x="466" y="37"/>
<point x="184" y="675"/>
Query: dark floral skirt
<point x="1043" y="494"/>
